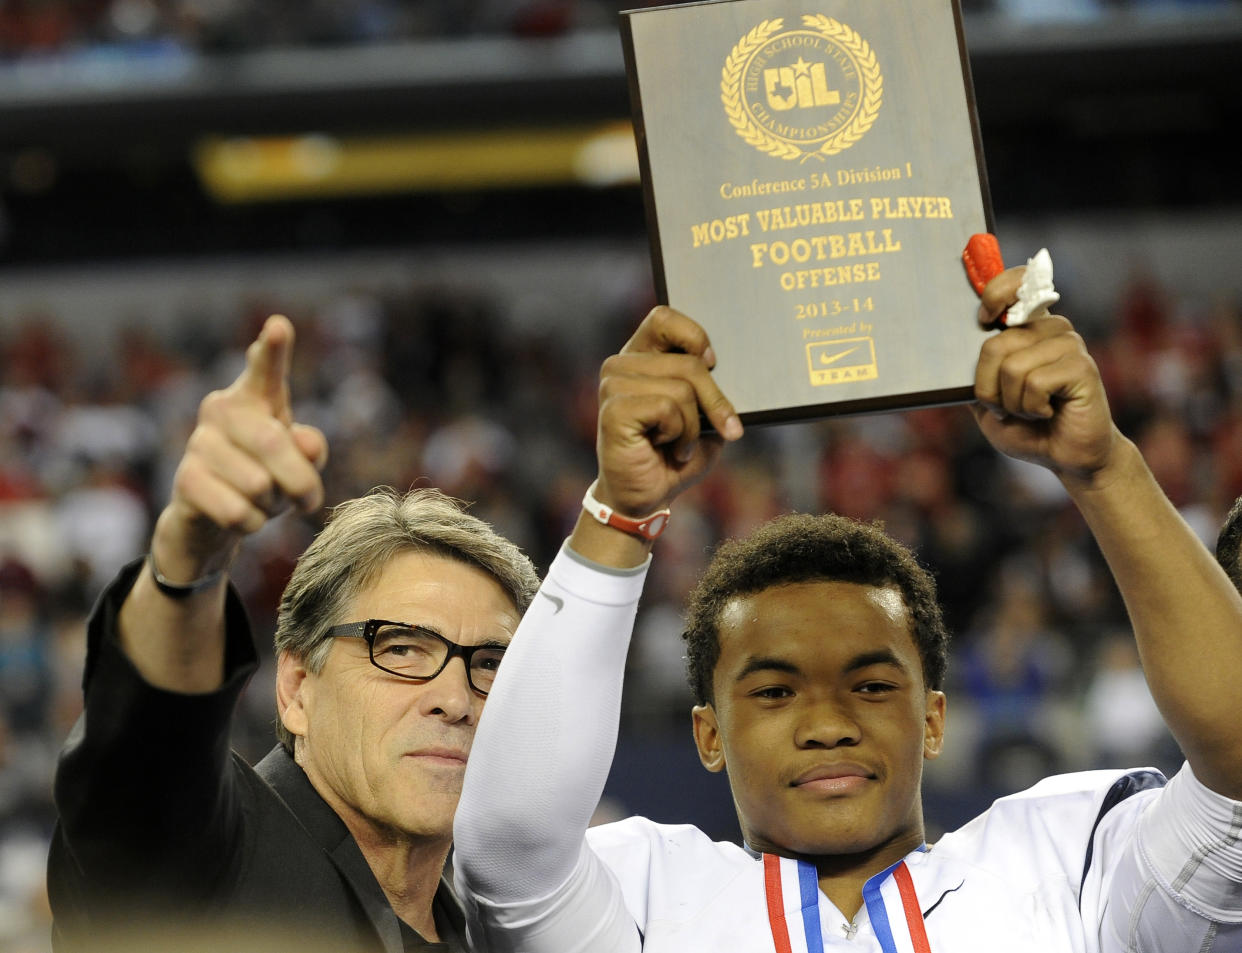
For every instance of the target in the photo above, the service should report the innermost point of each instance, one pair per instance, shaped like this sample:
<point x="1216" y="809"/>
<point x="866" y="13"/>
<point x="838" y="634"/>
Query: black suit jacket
<point x="162" y="827"/>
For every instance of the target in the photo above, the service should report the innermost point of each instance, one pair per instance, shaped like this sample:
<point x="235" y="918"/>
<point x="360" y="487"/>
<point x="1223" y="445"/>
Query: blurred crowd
<point x="32" y="28"/>
<point x="434" y="385"/>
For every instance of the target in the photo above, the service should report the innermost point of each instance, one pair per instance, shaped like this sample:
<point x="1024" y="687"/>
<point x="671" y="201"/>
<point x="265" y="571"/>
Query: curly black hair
<point x="1229" y="544"/>
<point x="803" y="548"/>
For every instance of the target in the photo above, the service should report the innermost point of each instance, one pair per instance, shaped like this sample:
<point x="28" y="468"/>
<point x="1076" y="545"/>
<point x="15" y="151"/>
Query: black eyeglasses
<point x="410" y="651"/>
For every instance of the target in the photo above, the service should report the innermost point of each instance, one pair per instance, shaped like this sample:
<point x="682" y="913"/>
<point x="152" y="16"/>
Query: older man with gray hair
<point x="388" y="638"/>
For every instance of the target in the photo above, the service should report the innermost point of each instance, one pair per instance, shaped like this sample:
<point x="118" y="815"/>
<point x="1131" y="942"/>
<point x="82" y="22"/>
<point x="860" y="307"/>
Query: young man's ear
<point x="933" y="726"/>
<point x="291" y="693"/>
<point x="707" y="737"/>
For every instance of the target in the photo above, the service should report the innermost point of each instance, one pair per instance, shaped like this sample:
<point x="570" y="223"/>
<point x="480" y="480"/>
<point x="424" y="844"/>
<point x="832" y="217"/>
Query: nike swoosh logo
<point x="824" y="359"/>
<point x="559" y="603"/>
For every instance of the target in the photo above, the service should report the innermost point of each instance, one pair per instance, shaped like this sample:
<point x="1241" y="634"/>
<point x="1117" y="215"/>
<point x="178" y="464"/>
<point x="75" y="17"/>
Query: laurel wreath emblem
<point x="843" y="138"/>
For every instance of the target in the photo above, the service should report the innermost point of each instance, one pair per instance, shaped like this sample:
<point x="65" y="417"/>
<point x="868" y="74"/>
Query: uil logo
<point x="795" y="94"/>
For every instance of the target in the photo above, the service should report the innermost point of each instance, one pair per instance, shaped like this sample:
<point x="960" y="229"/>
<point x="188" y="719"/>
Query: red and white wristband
<point x="646" y="527"/>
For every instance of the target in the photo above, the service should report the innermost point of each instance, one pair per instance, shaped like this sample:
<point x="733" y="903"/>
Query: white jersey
<point x="1016" y="879"/>
<point x="1096" y="862"/>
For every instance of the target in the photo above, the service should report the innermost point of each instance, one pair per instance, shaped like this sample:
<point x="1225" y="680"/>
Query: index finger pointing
<point x="268" y="360"/>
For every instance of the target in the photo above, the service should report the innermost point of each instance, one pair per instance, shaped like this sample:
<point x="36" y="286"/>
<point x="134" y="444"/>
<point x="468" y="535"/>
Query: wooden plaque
<point x="812" y="170"/>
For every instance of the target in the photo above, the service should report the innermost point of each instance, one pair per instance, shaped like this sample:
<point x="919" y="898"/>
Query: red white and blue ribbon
<point x="792" y="889"/>
<point x="893" y="907"/>
<point x="793" y="902"/>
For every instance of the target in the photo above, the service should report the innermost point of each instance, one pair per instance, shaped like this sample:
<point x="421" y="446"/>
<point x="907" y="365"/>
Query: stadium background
<point x="442" y="196"/>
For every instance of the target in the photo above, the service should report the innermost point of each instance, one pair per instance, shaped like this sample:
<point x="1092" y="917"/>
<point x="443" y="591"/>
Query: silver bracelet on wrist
<point x="179" y="590"/>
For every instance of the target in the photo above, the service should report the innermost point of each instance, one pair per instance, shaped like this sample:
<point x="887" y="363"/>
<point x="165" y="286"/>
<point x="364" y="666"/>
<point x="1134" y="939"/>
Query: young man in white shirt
<point x="820" y="697"/>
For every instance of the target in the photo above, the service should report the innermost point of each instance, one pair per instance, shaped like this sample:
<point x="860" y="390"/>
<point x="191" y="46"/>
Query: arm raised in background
<point x="245" y="462"/>
<point x="1041" y="400"/>
<point x="147" y="807"/>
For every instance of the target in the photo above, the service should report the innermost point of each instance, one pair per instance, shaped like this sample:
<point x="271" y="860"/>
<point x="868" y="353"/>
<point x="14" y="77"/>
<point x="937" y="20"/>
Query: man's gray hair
<point x="1229" y="545"/>
<point x="361" y="537"/>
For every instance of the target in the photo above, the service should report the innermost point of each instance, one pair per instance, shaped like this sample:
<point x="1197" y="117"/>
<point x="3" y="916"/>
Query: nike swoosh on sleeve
<point x="556" y="601"/>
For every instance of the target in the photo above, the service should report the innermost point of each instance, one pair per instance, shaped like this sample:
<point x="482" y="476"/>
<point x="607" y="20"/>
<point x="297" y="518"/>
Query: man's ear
<point x="933" y="726"/>
<point x="291" y="690"/>
<point x="707" y="737"/>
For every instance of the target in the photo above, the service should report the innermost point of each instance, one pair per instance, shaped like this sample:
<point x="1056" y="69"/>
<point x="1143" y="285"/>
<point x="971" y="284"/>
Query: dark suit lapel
<point x="327" y="830"/>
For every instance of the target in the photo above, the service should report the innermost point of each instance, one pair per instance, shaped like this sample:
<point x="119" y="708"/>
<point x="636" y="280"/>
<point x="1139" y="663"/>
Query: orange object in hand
<point x="983" y="261"/>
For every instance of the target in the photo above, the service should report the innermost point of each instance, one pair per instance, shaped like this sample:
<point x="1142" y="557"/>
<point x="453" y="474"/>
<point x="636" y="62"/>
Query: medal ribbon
<point x="779" y="874"/>
<point x="776" y="902"/>
<point x="892" y="905"/>
<point x="893" y="891"/>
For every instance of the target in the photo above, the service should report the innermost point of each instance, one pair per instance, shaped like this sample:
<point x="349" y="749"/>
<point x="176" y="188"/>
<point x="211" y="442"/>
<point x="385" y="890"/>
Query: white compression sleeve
<point x="542" y="753"/>
<point x="1179" y="886"/>
<point x="1192" y="839"/>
